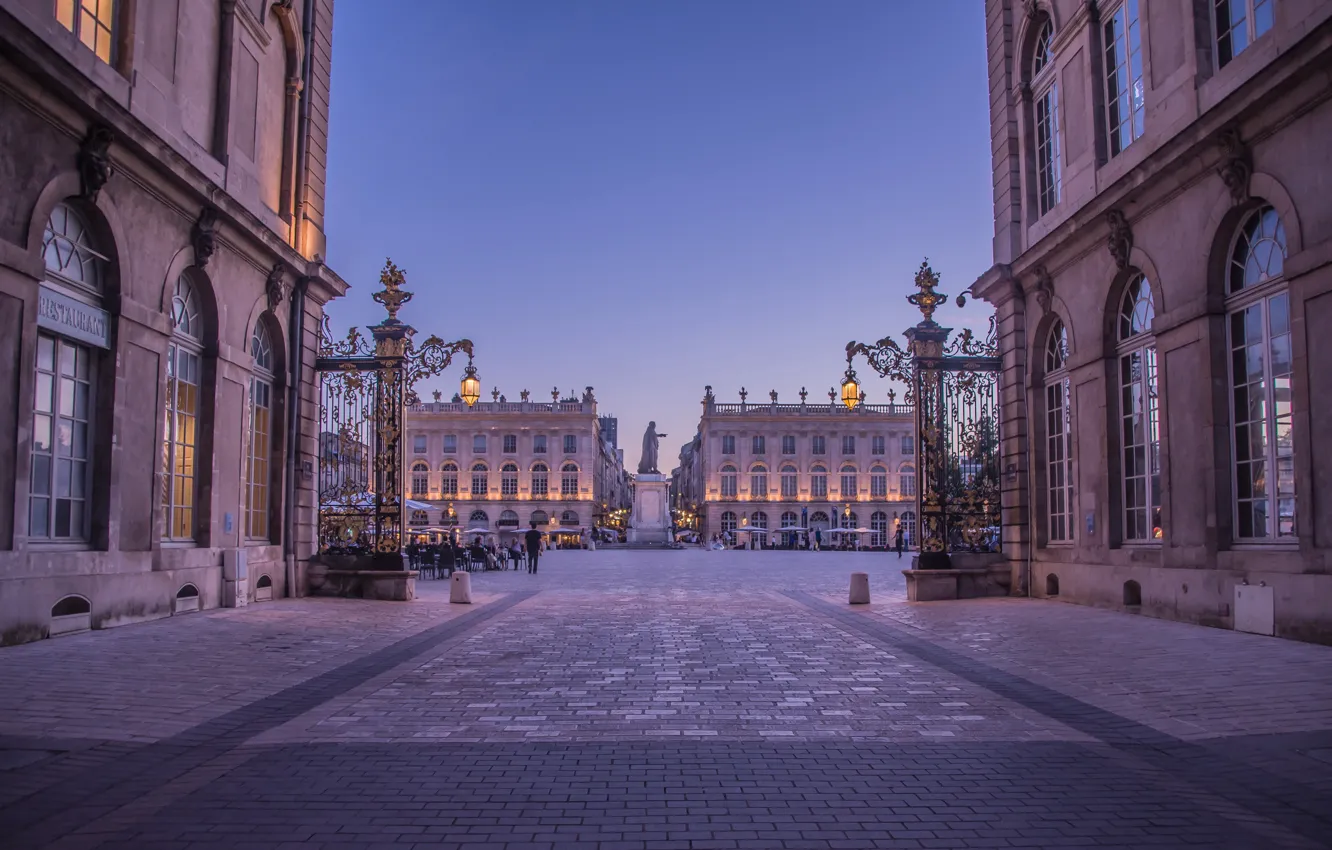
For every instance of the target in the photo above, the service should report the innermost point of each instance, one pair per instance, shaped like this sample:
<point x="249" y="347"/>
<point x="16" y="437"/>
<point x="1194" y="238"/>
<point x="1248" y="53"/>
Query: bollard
<point x="860" y="588"/>
<point x="460" y="587"/>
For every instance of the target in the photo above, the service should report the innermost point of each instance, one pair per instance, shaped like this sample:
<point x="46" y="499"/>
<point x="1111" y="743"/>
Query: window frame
<point x="480" y="480"/>
<point x="1140" y="524"/>
<point x="1060" y="528"/>
<point x="758" y="445"/>
<point x="788" y="444"/>
<point x="730" y="481"/>
<point x="818" y="481"/>
<point x="758" y="481"/>
<point x="57" y="383"/>
<point x="790" y="481"/>
<point x="107" y="24"/>
<point x="509" y="480"/>
<point x="1251" y="32"/>
<point x="571" y="444"/>
<point x="878" y="445"/>
<point x="848" y="444"/>
<point x="448" y="479"/>
<point x="420" y="479"/>
<point x="569" y="480"/>
<point x="540" y="480"/>
<point x="1045" y="96"/>
<point x="1126" y="16"/>
<point x="818" y="445"/>
<point x="186" y="345"/>
<point x="449" y="444"/>
<point x="728" y="444"/>
<point x="260" y="462"/>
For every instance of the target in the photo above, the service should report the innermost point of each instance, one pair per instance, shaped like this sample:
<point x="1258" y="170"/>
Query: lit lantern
<point x="471" y="385"/>
<point x="850" y="389"/>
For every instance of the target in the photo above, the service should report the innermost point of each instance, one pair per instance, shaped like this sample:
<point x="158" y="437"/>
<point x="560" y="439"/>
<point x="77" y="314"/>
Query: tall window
<point x="908" y="445"/>
<point x="569" y="480"/>
<point x="61" y="475"/>
<point x="879" y="525"/>
<point x="790" y="519"/>
<point x="1139" y="425"/>
<point x="788" y="445"/>
<point x="848" y="445"/>
<point x="180" y="432"/>
<point x="818" y="481"/>
<point x="1238" y="24"/>
<point x="93" y="21"/>
<point x="509" y="479"/>
<point x="450" y="444"/>
<point x="878" y="483"/>
<point x="878" y="446"/>
<point x="907" y="481"/>
<point x="758" y="482"/>
<point x="448" y="479"/>
<point x="908" y="524"/>
<point x="729" y="481"/>
<point x="419" y="518"/>
<point x="1260" y="380"/>
<point x="419" y="444"/>
<point x="728" y="445"/>
<point x="1123" y="76"/>
<point x="420" y="480"/>
<point x="819" y="446"/>
<point x="510" y="444"/>
<point x="849" y="486"/>
<point x="540" y="480"/>
<point x="480" y="480"/>
<point x="261" y="435"/>
<point x="790" y="482"/>
<point x="1046" y="94"/>
<point x="728" y="521"/>
<point x="758" y="521"/>
<point x="478" y="444"/>
<point x="570" y="444"/>
<point x="760" y="445"/>
<point x="538" y="444"/>
<point x="1058" y="438"/>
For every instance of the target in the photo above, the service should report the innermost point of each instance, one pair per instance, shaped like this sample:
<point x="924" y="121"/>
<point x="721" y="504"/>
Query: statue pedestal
<point x="650" y="522"/>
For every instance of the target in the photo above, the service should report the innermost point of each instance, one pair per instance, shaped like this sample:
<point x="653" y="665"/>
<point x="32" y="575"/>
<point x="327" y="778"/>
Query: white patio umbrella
<point x="478" y="531"/>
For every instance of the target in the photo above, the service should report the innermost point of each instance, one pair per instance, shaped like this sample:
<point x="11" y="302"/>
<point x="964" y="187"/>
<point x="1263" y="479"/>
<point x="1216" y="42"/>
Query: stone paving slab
<point x="666" y="700"/>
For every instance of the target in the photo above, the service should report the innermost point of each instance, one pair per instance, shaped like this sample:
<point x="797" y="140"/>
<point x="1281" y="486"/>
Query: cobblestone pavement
<point x="661" y="700"/>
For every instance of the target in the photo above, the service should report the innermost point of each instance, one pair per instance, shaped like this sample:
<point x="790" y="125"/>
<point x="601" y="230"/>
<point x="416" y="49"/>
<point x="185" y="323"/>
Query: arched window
<point x="818" y="519"/>
<point x="1140" y="475"/>
<point x="758" y="521"/>
<point x="569" y="519"/>
<point x="569" y="480"/>
<point x="729" y="481"/>
<point x="818" y="481"/>
<point x="790" y="481"/>
<point x="184" y="368"/>
<point x="879" y="527"/>
<point x="1045" y="96"/>
<point x="906" y="476"/>
<point x="63" y="416"/>
<point x="849" y="485"/>
<point x="908" y="523"/>
<point x="728" y="521"/>
<point x="1260" y="380"/>
<point x="758" y="481"/>
<point x="540" y="518"/>
<point x="480" y="480"/>
<point x="479" y="519"/>
<point x="259" y="463"/>
<point x="790" y="519"/>
<point x="540" y="480"/>
<point x="850" y="519"/>
<point x="420" y="480"/>
<point x="878" y="482"/>
<point x="508" y="519"/>
<point x="448" y="479"/>
<point x="419" y="518"/>
<point x="509" y="480"/>
<point x="1058" y="437"/>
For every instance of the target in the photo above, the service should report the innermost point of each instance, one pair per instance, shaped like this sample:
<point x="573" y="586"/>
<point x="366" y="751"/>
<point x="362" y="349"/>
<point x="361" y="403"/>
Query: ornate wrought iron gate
<point x="954" y="387"/>
<point x="364" y="388"/>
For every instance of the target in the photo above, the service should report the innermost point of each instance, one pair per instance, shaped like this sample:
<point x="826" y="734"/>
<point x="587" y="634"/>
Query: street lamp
<point x="471" y="384"/>
<point x="851" y="395"/>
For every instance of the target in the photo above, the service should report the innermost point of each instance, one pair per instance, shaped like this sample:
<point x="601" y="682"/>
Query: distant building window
<point x="729" y="481"/>
<point x="728" y="445"/>
<point x="569" y="480"/>
<point x="758" y="482"/>
<point x="907" y="479"/>
<point x="728" y="521"/>
<point x="479" y="444"/>
<point x="510" y="444"/>
<point x="570" y="444"/>
<point x="450" y="444"/>
<point x="877" y="445"/>
<point x="93" y="21"/>
<point x="1140" y="471"/>
<point x="1123" y="81"/>
<point x="1046" y="96"/>
<point x="848" y="445"/>
<point x="420" y="480"/>
<point x="819" y="446"/>
<point x="540" y="480"/>
<point x="180" y="436"/>
<point x="788" y="445"/>
<point x="878" y="483"/>
<point x="849" y="485"/>
<point x="448" y="479"/>
<point x="419" y="518"/>
<point x="818" y="482"/>
<point x="419" y="444"/>
<point x="539" y="444"/>
<point x="509" y="479"/>
<point x="480" y="480"/>
<point x="758" y="521"/>
<point x="790" y="482"/>
<point x="1059" y="438"/>
<point x="1238" y="24"/>
<point x="479" y="518"/>
<point x="760" y="445"/>
<point x="908" y="445"/>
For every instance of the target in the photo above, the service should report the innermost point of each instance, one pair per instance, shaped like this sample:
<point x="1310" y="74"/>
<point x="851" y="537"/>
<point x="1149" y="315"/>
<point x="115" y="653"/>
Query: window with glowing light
<point x="509" y="480"/>
<point x="818" y="482"/>
<point x="448" y="479"/>
<point x="480" y="480"/>
<point x="730" y="480"/>
<point x="92" y="21"/>
<point x="790" y="481"/>
<point x="569" y="479"/>
<point x="540" y="480"/>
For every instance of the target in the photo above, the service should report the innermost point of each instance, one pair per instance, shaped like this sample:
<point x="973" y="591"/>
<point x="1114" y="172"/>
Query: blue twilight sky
<point x="648" y="196"/>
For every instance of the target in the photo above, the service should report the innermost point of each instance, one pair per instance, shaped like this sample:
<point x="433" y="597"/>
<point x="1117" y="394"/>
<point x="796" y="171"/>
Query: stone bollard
<point x="860" y="588"/>
<point x="460" y="587"/>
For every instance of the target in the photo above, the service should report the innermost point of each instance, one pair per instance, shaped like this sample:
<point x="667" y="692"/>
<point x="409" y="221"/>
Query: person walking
<point x="899" y="540"/>
<point x="533" y="541"/>
<point x="818" y="539"/>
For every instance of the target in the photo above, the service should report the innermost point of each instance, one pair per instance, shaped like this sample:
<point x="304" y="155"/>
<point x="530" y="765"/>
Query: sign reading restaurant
<point x="71" y="318"/>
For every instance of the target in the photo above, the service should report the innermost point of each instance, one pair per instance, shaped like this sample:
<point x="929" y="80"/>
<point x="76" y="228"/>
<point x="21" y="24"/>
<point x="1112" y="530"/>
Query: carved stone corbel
<point x="1237" y="167"/>
<point x="1032" y="8"/>
<point x="275" y="288"/>
<point x="204" y="236"/>
<point x="1043" y="287"/>
<point x="1120" y="242"/>
<point x="94" y="161"/>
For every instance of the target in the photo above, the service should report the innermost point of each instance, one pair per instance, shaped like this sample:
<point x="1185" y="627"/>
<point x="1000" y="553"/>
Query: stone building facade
<point x="764" y="466"/>
<point x="1163" y="207"/>
<point x="501" y="465"/>
<point x="161" y="286"/>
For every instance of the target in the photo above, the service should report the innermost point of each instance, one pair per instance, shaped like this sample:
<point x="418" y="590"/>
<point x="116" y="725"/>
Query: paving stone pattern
<point x="665" y="700"/>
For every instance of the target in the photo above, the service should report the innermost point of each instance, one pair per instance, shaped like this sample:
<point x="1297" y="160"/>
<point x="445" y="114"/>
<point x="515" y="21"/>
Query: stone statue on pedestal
<point x="648" y="463"/>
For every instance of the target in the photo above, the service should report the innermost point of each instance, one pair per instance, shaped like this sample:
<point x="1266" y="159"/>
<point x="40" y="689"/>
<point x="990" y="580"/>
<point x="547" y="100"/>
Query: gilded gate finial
<point x="927" y="300"/>
<point x="392" y="296"/>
